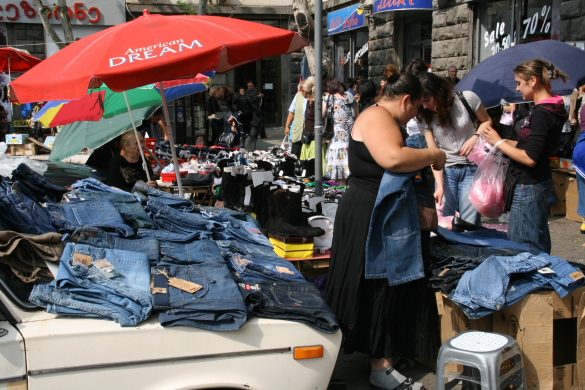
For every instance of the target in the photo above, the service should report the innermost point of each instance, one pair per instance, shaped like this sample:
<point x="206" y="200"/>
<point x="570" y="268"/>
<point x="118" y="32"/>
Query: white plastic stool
<point x="496" y="357"/>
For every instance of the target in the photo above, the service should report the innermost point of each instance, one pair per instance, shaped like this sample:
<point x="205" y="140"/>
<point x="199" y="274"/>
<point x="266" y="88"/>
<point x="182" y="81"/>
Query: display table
<point x="196" y="194"/>
<point x="312" y="266"/>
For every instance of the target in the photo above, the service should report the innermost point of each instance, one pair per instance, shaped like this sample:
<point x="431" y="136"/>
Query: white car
<point x="40" y="351"/>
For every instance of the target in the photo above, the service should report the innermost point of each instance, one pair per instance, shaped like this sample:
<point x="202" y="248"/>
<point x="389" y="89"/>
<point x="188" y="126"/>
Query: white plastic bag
<point x="487" y="190"/>
<point x="285" y="143"/>
<point x="9" y="164"/>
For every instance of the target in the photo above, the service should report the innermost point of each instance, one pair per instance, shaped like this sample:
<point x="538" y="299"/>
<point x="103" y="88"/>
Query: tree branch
<point x="65" y="22"/>
<point x="43" y="10"/>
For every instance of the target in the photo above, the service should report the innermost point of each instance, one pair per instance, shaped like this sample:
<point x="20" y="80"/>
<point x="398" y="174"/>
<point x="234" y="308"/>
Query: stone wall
<point x="27" y="36"/>
<point x="381" y="48"/>
<point x="573" y="20"/>
<point x="452" y="37"/>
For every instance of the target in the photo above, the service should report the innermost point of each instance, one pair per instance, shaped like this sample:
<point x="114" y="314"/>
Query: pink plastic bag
<point x="480" y="151"/>
<point x="487" y="190"/>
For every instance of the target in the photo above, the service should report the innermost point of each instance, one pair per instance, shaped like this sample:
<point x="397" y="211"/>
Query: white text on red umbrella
<point x="146" y="53"/>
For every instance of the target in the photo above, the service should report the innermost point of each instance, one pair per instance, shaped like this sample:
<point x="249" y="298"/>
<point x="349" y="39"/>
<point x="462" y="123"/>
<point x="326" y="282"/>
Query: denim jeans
<point x="563" y="281"/>
<point x="174" y="201"/>
<point x="217" y="306"/>
<point x="97" y="213"/>
<point x="440" y="251"/>
<point x="164" y="235"/>
<point x="22" y="214"/>
<point x="581" y="190"/>
<point x="485" y="238"/>
<point x="195" y="252"/>
<point x="167" y="218"/>
<point x="486" y="285"/>
<point x="298" y="302"/>
<point x="93" y="185"/>
<point x="528" y="223"/>
<point x="43" y="189"/>
<point x="125" y="299"/>
<point x="101" y="239"/>
<point x="246" y="217"/>
<point x="236" y="247"/>
<point x="457" y="187"/>
<point x="131" y="210"/>
<point x="250" y="269"/>
<point x="233" y="229"/>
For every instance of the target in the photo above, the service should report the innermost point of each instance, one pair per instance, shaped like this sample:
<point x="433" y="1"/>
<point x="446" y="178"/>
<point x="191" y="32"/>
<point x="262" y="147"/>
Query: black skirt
<point x="376" y="319"/>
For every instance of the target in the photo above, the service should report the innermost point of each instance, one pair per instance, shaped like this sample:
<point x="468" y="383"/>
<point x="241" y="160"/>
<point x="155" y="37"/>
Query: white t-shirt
<point x="451" y="139"/>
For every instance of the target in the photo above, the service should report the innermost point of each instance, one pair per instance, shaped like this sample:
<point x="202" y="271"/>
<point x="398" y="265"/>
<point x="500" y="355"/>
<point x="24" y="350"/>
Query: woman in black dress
<point x="376" y="319"/>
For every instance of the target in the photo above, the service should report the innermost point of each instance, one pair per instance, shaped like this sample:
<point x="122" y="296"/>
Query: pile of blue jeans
<point x="84" y="291"/>
<point x="501" y="281"/>
<point x="158" y="243"/>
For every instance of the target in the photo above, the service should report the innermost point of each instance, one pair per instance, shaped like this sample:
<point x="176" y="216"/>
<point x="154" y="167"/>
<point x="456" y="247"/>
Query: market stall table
<point x="198" y="194"/>
<point x="312" y="266"/>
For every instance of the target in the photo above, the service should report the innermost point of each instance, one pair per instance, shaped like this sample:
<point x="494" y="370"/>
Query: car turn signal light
<point x="308" y="352"/>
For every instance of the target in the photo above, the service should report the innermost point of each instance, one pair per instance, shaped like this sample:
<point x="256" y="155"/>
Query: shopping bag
<point x="481" y="149"/>
<point x="487" y="189"/>
<point x="285" y="145"/>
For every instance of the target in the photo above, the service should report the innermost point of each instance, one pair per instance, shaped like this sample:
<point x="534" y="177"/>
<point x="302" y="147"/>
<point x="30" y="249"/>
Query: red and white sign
<point x="81" y="12"/>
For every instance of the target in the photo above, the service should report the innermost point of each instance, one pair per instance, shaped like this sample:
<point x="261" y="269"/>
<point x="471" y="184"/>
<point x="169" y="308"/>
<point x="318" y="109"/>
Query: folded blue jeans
<point x="165" y="235"/>
<point x="487" y="238"/>
<point x="101" y="239"/>
<point x="217" y="306"/>
<point x="249" y="268"/>
<point x="125" y="299"/>
<point x="93" y="185"/>
<point x="195" y="252"/>
<point x="44" y="190"/>
<point x="174" y="201"/>
<point x="298" y="302"/>
<point x="233" y="229"/>
<point x="486" y="285"/>
<point x="246" y="249"/>
<point x="23" y="214"/>
<point x="167" y="218"/>
<point x="131" y="210"/>
<point x="98" y="213"/>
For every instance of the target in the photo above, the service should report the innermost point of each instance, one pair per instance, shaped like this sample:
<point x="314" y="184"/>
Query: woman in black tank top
<point x="376" y="319"/>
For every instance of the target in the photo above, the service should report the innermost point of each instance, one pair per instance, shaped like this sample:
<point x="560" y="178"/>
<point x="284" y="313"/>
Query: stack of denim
<point x="146" y="193"/>
<point x="84" y="291"/>
<point x="21" y="212"/>
<point x="42" y="189"/>
<point x="502" y="281"/>
<point x="451" y="261"/>
<point x="273" y="288"/>
<point x="217" y="305"/>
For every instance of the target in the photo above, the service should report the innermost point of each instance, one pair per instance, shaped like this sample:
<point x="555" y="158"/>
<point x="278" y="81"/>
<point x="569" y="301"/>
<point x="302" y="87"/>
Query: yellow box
<point x="304" y="254"/>
<point x="287" y="246"/>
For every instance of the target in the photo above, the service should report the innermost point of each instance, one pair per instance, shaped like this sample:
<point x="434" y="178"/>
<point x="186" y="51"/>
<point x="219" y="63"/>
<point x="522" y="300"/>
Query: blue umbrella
<point x="493" y="78"/>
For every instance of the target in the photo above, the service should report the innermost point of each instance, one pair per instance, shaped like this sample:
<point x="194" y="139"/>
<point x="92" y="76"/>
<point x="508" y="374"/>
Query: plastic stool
<point x="496" y="358"/>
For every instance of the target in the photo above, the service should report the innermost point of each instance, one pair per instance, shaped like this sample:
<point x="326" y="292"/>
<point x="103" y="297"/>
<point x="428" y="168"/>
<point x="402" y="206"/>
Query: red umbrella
<point x="149" y="49"/>
<point x="14" y="60"/>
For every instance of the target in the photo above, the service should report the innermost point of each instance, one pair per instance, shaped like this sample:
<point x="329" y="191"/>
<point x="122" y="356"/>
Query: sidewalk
<point x="275" y="137"/>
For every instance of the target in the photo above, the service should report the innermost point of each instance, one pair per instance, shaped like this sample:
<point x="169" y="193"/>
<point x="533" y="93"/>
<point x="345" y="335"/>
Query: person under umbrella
<point x="529" y="178"/>
<point x="126" y="168"/>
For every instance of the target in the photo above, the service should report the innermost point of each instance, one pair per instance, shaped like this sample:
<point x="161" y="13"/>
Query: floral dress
<point x="343" y="119"/>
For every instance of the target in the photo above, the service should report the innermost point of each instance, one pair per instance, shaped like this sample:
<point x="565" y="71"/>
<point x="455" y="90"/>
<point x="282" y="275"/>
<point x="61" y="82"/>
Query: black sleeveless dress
<point x="376" y="319"/>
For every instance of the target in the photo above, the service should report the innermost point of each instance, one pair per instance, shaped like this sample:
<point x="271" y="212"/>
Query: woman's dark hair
<point x="442" y="90"/>
<point x="416" y="66"/>
<point x="367" y="91"/>
<point x="351" y="82"/>
<point x="402" y="84"/>
<point x="332" y="86"/>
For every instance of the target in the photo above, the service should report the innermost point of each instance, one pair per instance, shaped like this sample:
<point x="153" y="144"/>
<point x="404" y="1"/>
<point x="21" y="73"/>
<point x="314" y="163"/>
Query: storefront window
<point x="343" y="56"/>
<point x="506" y="23"/>
<point x="360" y="60"/>
<point x="418" y="40"/>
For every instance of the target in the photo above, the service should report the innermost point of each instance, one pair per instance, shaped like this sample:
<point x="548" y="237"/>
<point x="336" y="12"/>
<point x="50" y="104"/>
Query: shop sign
<point x="345" y="19"/>
<point x="361" y="52"/>
<point x="398" y="5"/>
<point x="104" y="12"/>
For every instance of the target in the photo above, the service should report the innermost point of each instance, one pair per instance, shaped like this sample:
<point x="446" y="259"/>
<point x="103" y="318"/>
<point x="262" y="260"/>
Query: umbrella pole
<point x="144" y="164"/>
<point x="171" y="137"/>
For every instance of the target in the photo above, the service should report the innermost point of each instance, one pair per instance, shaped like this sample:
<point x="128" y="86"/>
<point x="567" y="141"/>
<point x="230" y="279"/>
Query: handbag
<point x="307" y="137"/>
<point x="328" y="121"/>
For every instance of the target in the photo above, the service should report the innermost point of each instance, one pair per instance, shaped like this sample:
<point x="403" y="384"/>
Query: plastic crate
<point x="171" y="177"/>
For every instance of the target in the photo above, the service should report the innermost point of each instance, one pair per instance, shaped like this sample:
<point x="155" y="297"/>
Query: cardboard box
<point x="16" y="139"/>
<point x="551" y="334"/>
<point x="573" y="200"/>
<point x="560" y="184"/>
<point x="49" y="141"/>
<point x="23" y="150"/>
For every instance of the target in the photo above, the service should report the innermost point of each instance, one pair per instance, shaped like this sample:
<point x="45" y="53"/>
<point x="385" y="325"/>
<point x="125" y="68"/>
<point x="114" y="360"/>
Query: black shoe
<point x="460" y="225"/>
